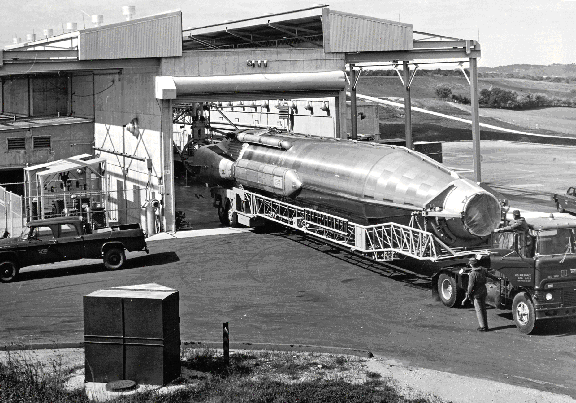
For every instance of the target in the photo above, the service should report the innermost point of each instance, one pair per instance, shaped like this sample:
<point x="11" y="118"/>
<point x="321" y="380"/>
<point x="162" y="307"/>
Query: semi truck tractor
<point x="386" y="203"/>
<point x="536" y="270"/>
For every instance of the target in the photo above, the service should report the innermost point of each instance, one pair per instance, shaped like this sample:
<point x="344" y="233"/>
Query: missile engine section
<point x="366" y="184"/>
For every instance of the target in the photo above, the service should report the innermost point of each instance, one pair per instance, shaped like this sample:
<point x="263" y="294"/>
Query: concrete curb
<point x="215" y="345"/>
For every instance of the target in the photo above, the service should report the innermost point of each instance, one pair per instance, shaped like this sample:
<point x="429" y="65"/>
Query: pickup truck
<point x="566" y="203"/>
<point x="67" y="238"/>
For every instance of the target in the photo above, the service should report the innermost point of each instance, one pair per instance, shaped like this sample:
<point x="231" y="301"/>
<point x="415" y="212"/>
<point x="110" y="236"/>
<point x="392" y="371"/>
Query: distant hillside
<point x="552" y="70"/>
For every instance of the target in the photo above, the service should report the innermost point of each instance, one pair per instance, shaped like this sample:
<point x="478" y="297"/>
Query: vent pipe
<point x="48" y="33"/>
<point x="71" y="27"/>
<point x="97" y="20"/>
<point x="30" y="37"/>
<point x="16" y="40"/>
<point x="128" y="12"/>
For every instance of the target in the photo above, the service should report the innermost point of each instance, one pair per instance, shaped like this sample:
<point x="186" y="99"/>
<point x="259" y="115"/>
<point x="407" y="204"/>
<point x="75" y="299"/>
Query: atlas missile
<point x="366" y="183"/>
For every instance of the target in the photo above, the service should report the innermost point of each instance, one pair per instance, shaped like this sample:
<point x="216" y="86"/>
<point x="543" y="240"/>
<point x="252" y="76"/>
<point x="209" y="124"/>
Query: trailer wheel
<point x="448" y="290"/>
<point x="523" y="313"/>
<point x="8" y="271"/>
<point x="560" y="208"/>
<point x="114" y="258"/>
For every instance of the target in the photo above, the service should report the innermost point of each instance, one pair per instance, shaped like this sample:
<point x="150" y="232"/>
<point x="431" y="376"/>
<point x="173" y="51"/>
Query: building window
<point x="41" y="142"/>
<point x="16" y="143"/>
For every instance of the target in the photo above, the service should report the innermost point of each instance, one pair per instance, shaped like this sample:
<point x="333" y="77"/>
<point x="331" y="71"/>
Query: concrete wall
<point x="82" y="95"/>
<point x="65" y="141"/>
<point x="119" y="99"/>
<point x="16" y="96"/>
<point x="234" y="61"/>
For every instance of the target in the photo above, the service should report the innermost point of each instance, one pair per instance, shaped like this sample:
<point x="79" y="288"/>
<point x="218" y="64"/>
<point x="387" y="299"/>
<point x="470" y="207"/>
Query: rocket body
<point x="366" y="183"/>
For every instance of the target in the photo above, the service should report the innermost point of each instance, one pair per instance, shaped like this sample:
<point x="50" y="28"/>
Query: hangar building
<point x="118" y="92"/>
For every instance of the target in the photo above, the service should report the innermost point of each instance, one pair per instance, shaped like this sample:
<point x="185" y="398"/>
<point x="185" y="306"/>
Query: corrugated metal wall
<point x="354" y="33"/>
<point x="156" y="36"/>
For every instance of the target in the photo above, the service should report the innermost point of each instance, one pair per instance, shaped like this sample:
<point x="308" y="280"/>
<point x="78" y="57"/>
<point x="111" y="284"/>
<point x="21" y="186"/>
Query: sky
<point x="509" y="31"/>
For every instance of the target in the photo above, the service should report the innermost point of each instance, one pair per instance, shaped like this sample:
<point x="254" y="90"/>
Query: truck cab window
<point x="555" y="242"/>
<point x="41" y="233"/>
<point x="68" y="230"/>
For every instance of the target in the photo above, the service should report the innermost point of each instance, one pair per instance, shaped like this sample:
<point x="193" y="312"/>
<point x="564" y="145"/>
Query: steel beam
<point x="353" y="107"/>
<point x="407" y="107"/>
<point x="32" y="55"/>
<point x="439" y="44"/>
<point x="375" y="57"/>
<point x="475" y="118"/>
<point x="43" y="66"/>
<point x="168" y="200"/>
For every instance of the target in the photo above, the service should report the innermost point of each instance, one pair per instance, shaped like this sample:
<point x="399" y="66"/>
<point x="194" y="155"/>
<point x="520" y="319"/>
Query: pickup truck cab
<point x="67" y="238"/>
<point x="566" y="203"/>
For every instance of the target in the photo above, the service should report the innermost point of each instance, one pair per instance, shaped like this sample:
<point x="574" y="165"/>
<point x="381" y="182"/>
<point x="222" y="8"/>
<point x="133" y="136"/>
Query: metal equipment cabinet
<point x="132" y="333"/>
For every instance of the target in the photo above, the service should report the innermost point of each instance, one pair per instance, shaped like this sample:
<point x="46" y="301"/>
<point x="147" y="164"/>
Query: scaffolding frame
<point x="380" y="242"/>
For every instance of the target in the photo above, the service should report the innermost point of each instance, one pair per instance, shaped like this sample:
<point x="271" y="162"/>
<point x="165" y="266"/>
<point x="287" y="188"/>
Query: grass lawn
<point x="255" y="377"/>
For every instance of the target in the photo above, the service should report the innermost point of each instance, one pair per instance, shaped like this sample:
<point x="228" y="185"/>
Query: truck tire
<point x="8" y="271"/>
<point x="523" y="313"/>
<point x="448" y="291"/>
<point x="114" y="258"/>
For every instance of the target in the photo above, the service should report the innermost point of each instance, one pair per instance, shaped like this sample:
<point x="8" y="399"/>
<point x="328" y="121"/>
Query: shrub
<point x="461" y="99"/>
<point x="443" y="91"/>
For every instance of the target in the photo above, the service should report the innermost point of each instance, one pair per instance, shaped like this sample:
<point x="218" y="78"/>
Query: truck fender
<point x="10" y="256"/>
<point x="518" y="290"/>
<point x="109" y="245"/>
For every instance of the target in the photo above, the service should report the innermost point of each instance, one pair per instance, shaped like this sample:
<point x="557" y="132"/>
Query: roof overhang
<point x="167" y="87"/>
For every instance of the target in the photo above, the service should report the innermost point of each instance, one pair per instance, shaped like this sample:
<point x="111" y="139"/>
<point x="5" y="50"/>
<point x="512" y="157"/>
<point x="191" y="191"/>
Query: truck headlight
<point x="549" y="297"/>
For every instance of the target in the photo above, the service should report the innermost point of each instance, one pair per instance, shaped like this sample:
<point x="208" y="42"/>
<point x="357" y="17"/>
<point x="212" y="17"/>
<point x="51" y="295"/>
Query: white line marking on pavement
<point x="196" y="233"/>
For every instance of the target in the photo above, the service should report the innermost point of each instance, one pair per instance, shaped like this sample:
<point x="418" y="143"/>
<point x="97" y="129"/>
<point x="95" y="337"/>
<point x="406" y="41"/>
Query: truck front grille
<point x="570" y="298"/>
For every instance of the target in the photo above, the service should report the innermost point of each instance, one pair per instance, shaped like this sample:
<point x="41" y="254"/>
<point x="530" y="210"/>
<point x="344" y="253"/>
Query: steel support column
<point x="475" y="117"/>
<point x="341" y="115"/>
<point x="168" y="200"/>
<point x="407" y="107"/>
<point x="353" y="108"/>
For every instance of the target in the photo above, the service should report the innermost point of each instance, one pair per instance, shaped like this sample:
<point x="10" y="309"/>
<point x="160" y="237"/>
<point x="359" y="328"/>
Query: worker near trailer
<point x="518" y="224"/>
<point x="477" y="291"/>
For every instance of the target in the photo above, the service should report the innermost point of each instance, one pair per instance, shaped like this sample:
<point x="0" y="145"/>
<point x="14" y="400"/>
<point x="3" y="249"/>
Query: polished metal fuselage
<point x="370" y="183"/>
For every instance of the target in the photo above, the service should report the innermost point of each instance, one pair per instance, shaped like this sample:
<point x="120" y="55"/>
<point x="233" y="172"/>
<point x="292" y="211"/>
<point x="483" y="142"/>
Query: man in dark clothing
<point x="477" y="291"/>
<point x="518" y="224"/>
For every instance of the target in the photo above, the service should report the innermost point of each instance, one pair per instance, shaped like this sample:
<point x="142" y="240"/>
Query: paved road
<point x="278" y="287"/>
<point x="281" y="288"/>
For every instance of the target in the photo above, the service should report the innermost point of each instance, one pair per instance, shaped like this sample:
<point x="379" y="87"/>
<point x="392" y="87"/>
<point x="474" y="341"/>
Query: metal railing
<point x="380" y="242"/>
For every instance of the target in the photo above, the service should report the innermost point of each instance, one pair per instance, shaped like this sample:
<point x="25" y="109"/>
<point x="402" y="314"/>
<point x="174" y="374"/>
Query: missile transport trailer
<point x="386" y="203"/>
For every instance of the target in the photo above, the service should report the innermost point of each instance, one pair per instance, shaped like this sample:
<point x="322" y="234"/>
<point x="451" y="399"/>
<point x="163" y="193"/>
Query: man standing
<point x="477" y="291"/>
<point x="518" y="224"/>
